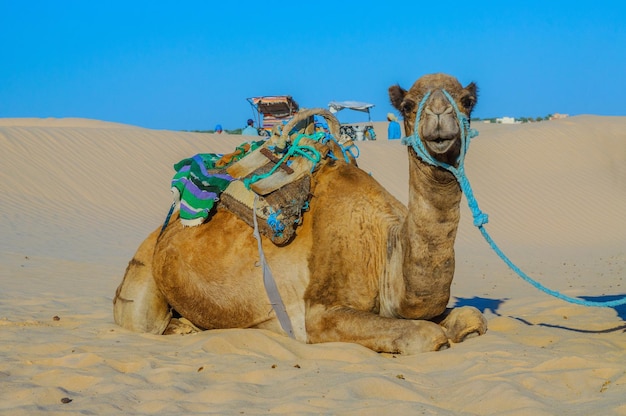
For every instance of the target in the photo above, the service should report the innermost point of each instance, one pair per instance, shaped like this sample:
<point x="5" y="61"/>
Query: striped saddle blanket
<point x="202" y="185"/>
<point x="200" y="180"/>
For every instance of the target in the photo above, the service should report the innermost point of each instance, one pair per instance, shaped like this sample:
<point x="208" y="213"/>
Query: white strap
<point x="270" y="283"/>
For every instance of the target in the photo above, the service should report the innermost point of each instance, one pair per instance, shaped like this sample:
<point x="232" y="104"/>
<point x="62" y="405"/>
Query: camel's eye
<point x="468" y="101"/>
<point x="407" y="106"/>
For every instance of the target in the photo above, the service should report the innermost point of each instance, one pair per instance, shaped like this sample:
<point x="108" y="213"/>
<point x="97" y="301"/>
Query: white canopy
<point x="335" y="106"/>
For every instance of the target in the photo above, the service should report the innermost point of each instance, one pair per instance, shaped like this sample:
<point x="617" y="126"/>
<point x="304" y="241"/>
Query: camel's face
<point x="438" y="126"/>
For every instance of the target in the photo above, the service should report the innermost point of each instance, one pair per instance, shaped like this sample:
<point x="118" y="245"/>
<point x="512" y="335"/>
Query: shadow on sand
<point x="492" y="305"/>
<point x="621" y="312"/>
<point x="482" y="304"/>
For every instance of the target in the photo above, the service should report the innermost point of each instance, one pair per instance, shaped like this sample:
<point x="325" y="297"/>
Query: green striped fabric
<point x="200" y="179"/>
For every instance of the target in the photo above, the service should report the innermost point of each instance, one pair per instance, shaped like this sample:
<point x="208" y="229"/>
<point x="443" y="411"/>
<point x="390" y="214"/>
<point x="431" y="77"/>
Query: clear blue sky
<point x="186" y="65"/>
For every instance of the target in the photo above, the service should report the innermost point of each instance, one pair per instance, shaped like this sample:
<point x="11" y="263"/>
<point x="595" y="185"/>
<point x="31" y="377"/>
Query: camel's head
<point x="439" y="127"/>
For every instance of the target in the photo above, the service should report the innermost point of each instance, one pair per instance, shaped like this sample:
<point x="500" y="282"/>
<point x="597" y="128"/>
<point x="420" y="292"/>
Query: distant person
<point x="219" y="129"/>
<point x="250" y="130"/>
<point x="393" y="130"/>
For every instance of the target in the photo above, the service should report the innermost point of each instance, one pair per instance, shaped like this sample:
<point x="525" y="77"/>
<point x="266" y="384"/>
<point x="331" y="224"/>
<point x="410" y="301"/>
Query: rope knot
<point x="481" y="219"/>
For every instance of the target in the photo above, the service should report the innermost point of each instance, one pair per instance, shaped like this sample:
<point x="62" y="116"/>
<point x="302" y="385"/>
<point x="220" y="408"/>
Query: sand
<point x="78" y="196"/>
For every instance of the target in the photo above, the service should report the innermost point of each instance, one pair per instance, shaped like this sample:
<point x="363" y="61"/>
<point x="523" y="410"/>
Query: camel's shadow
<point x="492" y="305"/>
<point x="621" y="312"/>
<point x="482" y="304"/>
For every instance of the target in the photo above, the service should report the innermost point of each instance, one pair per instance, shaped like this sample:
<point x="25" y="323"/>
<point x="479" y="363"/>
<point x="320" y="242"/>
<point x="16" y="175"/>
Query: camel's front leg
<point x="373" y="331"/>
<point x="462" y="323"/>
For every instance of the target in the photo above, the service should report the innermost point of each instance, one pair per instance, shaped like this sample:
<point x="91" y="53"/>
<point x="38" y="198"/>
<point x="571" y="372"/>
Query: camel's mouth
<point x="440" y="129"/>
<point x="440" y="145"/>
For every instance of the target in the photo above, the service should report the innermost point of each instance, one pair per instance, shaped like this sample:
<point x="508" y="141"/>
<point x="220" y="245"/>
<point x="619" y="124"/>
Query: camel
<point x="363" y="268"/>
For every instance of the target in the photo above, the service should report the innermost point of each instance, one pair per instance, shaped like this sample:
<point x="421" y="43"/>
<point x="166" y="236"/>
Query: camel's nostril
<point x="438" y="104"/>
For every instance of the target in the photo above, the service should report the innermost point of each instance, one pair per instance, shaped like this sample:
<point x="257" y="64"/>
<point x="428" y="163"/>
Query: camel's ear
<point x="396" y="95"/>
<point x="470" y="97"/>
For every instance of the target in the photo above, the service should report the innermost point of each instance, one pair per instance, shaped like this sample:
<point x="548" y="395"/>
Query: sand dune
<point x="78" y="196"/>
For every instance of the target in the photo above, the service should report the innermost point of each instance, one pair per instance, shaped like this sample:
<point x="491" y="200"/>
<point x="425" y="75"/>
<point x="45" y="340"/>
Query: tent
<point x="355" y="132"/>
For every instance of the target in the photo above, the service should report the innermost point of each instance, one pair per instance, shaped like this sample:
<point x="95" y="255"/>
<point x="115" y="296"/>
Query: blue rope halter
<point x="480" y="218"/>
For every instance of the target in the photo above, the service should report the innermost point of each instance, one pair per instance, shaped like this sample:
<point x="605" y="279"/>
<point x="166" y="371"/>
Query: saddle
<point x="271" y="179"/>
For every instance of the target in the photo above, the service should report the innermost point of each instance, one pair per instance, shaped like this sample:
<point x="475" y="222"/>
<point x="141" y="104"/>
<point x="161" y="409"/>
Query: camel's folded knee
<point x="138" y="304"/>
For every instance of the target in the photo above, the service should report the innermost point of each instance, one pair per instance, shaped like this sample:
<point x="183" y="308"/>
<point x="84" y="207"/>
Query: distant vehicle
<point x="272" y="110"/>
<point x="358" y="132"/>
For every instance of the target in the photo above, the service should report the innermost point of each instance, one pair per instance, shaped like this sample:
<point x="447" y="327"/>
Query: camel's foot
<point x="423" y="336"/>
<point x="180" y="326"/>
<point x="463" y="323"/>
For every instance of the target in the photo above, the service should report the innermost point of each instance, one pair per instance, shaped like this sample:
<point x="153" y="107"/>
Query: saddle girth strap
<point x="270" y="283"/>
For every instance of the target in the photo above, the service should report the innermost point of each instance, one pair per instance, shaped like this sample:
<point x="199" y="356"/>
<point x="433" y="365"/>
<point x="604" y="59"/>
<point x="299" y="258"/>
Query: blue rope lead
<point x="480" y="218"/>
<point x="520" y="273"/>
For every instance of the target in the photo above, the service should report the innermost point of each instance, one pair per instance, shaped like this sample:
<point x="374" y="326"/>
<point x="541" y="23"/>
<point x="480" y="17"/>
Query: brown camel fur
<point x="363" y="268"/>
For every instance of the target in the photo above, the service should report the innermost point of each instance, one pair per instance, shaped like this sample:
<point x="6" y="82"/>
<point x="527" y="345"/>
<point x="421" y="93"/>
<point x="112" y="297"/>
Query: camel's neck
<point x="428" y="239"/>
